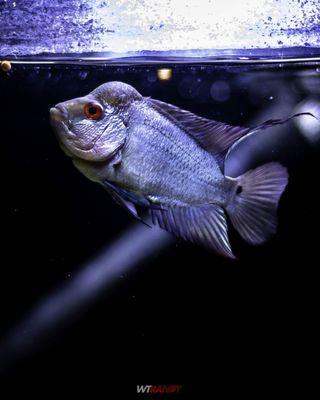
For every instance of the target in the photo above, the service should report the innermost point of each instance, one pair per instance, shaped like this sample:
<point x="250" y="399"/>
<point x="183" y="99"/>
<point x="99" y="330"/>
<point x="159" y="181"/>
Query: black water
<point x="184" y="311"/>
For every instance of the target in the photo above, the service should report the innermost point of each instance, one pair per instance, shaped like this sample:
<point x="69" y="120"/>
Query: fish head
<point x="94" y="127"/>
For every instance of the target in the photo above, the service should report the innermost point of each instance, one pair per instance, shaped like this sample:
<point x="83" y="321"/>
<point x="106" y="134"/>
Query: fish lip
<point x="59" y="120"/>
<point x="59" y="113"/>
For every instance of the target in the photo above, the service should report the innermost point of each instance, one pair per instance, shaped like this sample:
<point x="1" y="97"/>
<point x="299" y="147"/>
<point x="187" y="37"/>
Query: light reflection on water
<point x="82" y="26"/>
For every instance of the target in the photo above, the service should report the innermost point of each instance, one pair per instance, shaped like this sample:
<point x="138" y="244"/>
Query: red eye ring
<point x="93" y="111"/>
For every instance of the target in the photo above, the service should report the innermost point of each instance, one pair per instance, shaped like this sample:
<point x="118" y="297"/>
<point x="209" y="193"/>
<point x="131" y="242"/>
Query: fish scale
<point x="186" y="156"/>
<point x="177" y="171"/>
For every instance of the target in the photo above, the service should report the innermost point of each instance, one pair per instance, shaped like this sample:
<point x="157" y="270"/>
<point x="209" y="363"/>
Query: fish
<point x="156" y="157"/>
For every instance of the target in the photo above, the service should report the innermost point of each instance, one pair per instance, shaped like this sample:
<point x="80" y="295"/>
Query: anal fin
<point x="205" y="225"/>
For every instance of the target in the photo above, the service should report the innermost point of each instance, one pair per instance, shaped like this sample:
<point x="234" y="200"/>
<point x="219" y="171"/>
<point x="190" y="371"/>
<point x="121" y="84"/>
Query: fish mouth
<point x="59" y="119"/>
<point x="60" y="122"/>
<point x="59" y="113"/>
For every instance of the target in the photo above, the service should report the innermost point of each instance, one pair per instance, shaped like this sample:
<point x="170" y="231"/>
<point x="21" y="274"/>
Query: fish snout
<point x="59" y="113"/>
<point x="60" y="122"/>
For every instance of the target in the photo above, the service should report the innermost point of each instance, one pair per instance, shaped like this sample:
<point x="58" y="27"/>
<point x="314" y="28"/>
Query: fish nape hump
<point x="116" y="93"/>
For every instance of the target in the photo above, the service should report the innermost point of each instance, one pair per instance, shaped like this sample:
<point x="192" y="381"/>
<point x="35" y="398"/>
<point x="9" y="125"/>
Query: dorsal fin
<point x="215" y="137"/>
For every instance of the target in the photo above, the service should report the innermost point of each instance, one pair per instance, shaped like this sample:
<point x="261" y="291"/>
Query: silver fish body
<point x="159" y="160"/>
<point x="152" y="155"/>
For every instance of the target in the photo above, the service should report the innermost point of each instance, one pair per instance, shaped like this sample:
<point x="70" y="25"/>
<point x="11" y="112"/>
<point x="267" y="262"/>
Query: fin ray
<point x="215" y="137"/>
<point x="253" y="212"/>
<point x="204" y="224"/>
<point x="127" y="200"/>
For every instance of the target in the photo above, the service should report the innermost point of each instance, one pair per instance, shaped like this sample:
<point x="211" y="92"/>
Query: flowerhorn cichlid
<point x="154" y="156"/>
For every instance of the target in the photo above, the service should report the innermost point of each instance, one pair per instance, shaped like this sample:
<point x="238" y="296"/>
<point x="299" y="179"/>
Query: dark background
<point x="184" y="311"/>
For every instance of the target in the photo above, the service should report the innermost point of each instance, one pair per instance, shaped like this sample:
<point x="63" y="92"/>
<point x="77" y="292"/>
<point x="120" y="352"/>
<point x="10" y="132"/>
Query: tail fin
<point x="253" y="210"/>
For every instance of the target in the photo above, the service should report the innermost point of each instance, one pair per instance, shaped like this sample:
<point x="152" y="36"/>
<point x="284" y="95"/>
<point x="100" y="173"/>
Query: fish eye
<point x="93" y="111"/>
